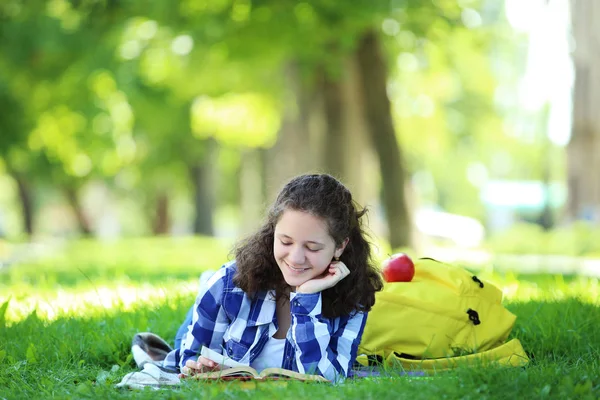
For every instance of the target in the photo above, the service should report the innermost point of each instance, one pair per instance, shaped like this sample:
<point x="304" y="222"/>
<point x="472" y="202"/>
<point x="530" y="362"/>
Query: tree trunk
<point x="293" y="152"/>
<point x="333" y="106"/>
<point x="373" y="73"/>
<point x="83" y="222"/>
<point x="360" y="157"/>
<point x="583" y="163"/>
<point x="162" y="222"/>
<point x="25" y="196"/>
<point x="253" y="202"/>
<point x="202" y="179"/>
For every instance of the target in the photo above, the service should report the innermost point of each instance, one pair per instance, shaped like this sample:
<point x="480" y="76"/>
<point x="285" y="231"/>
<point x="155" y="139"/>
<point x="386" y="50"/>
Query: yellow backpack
<point x="444" y="317"/>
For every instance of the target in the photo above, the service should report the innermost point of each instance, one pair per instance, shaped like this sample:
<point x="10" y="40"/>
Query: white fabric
<point x="270" y="356"/>
<point x="204" y="277"/>
<point x="150" y="376"/>
<point x="141" y="358"/>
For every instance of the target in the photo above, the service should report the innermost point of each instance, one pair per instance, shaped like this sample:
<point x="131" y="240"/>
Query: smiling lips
<point x="296" y="270"/>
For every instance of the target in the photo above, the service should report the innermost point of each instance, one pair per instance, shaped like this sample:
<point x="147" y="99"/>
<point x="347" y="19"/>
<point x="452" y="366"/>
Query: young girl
<point x="298" y="292"/>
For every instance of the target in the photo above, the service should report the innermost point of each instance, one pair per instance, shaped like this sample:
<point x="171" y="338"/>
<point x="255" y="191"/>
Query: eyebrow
<point x="309" y="241"/>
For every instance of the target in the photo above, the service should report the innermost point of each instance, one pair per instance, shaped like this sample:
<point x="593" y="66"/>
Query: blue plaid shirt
<point x="225" y="318"/>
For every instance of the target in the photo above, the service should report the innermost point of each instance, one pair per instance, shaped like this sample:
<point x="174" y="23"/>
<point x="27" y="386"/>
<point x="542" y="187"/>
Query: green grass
<point x="67" y="321"/>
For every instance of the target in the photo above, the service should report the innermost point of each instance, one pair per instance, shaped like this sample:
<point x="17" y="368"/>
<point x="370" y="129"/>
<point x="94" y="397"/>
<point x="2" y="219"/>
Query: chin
<point x="293" y="282"/>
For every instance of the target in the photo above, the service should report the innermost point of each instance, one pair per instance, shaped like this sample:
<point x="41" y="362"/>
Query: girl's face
<point x="303" y="247"/>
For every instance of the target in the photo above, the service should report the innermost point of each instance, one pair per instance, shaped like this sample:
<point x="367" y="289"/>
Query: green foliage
<point x="446" y="76"/>
<point x="251" y="120"/>
<point x="129" y="92"/>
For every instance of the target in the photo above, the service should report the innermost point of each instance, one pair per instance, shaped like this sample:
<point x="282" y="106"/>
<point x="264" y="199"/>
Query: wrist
<point x="299" y="290"/>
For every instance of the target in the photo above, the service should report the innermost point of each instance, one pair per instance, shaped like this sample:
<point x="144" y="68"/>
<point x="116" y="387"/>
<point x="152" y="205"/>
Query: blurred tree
<point x="446" y="60"/>
<point x="378" y="111"/>
<point x="191" y="95"/>
<point x="280" y="88"/>
<point x="582" y="150"/>
<point x="334" y="36"/>
<point x="296" y="142"/>
<point x="46" y="52"/>
<point x="12" y="150"/>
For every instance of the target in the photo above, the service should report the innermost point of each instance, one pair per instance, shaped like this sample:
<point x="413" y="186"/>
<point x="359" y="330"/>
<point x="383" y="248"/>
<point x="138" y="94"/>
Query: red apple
<point x="398" y="268"/>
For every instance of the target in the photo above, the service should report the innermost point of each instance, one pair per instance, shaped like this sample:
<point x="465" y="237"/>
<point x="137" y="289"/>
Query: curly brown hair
<point x="325" y="197"/>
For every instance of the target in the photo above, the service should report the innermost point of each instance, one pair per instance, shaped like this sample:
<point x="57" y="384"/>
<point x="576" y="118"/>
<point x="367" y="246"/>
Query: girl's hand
<point x="202" y="365"/>
<point x="336" y="272"/>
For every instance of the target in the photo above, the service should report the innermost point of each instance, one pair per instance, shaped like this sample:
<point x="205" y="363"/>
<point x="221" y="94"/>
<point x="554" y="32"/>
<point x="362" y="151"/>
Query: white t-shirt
<point x="270" y="356"/>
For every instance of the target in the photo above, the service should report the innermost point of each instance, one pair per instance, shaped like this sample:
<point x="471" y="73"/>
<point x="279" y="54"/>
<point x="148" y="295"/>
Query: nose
<point x="296" y="255"/>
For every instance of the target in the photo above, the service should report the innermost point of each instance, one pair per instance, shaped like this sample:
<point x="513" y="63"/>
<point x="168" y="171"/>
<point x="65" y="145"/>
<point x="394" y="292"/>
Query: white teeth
<point x="296" y="269"/>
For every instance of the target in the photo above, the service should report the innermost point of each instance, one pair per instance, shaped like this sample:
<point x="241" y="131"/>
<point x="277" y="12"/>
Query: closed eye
<point x="285" y="243"/>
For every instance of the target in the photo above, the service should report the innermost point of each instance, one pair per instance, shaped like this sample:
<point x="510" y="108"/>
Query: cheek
<point x="320" y="261"/>
<point x="278" y="251"/>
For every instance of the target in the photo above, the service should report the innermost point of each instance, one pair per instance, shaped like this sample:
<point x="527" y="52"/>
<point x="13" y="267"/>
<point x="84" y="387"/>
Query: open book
<point x="237" y="371"/>
<point x="248" y="373"/>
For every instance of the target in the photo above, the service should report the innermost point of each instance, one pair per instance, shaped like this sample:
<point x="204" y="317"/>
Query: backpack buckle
<point x="477" y="280"/>
<point x="474" y="316"/>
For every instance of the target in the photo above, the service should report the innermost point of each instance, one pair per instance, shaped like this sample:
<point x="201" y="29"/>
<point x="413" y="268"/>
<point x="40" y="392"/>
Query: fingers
<point x="336" y="272"/>
<point x="202" y="365"/>
<point x="207" y="364"/>
<point x="344" y="269"/>
<point x="339" y="269"/>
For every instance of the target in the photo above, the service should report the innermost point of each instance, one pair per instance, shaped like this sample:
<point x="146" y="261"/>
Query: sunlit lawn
<point x="67" y="322"/>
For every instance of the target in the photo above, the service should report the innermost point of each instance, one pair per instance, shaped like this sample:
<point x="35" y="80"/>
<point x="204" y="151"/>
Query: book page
<point x="222" y="359"/>
<point x="236" y="369"/>
<point x="280" y="372"/>
<point x="245" y="373"/>
<point x="240" y="372"/>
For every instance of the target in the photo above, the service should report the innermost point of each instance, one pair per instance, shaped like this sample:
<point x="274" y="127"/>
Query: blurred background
<point x="466" y="126"/>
